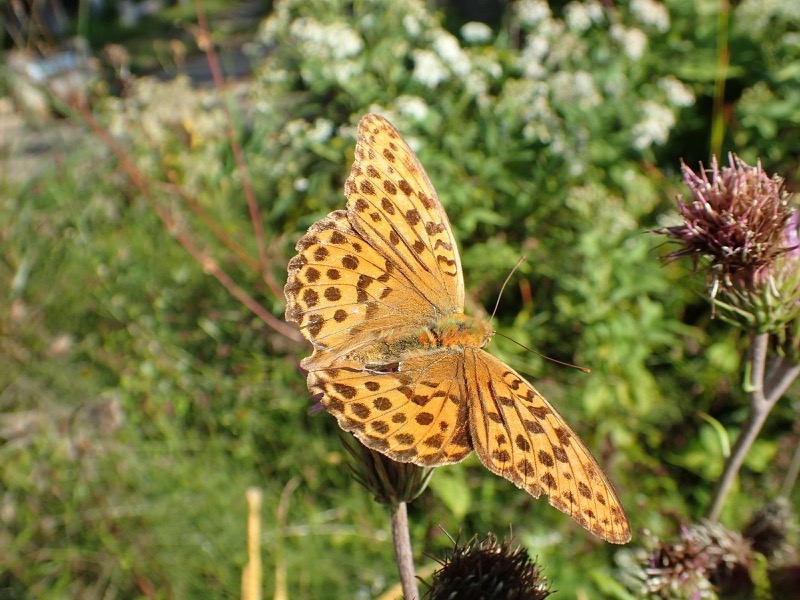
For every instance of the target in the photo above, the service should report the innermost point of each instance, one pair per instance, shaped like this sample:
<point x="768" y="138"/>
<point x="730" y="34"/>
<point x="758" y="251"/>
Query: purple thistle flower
<point x="743" y="226"/>
<point x="738" y="218"/>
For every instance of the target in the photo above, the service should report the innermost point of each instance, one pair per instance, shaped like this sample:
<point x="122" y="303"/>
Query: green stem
<point x="765" y="391"/>
<point x="403" y="553"/>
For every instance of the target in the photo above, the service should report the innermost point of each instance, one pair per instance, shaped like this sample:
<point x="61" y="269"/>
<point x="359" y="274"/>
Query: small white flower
<point x="595" y="10"/>
<point x="336" y="40"/>
<point x="476" y="32"/>
<point x="533" y="12"/>
<point x="476" y="84"/>
<point x="412" y="25"/>
<point x="533" y="55"/>
<point x="678" y="94"/>
<point x="654" y="129"/>
<point x="301" y="185"/>
<point x="449" y="50"/>
<point x="633" y="41"/>
<point x="577" y="17"/>
<point x="345" y="72"/>
<point x="295" y="128"/>
<point x="536" y="47"/>
<point x="428" y="69"/>
<point x="651" y="14"/>
<point x="576" y="88"/>
<point x="321" y="131"/>
<point x="412" y="107"/>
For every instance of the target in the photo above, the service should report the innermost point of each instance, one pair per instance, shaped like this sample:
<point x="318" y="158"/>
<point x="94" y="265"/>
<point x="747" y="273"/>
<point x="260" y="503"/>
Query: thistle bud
<point x="389" y="481"/>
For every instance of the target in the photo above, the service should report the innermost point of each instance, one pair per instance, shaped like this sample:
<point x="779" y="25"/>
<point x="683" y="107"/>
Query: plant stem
<point x="765" y="391"/>
<point x="402" y="551"/>
<point x="791" y="474"/>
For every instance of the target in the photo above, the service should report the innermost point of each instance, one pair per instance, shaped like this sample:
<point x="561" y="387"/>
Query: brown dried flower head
<point x="488" y="569"/>
<point x="707" y="560"/>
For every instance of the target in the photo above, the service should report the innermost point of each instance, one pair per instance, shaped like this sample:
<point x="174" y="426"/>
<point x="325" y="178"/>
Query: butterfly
<point x="378" y="290"/>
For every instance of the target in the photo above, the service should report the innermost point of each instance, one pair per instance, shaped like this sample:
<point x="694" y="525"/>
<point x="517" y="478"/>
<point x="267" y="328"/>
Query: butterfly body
<point x="378" y="291"/>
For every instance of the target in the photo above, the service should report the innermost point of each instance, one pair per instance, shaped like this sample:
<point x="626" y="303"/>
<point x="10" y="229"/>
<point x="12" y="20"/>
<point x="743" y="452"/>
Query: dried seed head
<point x="488" y="569"/>
<point x="708" y="561"/>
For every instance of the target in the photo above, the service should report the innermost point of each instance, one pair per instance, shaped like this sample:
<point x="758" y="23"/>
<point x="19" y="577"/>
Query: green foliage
<point x="550" y="136"/>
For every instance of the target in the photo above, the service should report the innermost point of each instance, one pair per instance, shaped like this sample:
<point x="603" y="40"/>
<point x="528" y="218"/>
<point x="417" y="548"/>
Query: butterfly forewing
<point x="341" y="293"/>
<point x="392" y="203"/>
<point x="520" y="436"/>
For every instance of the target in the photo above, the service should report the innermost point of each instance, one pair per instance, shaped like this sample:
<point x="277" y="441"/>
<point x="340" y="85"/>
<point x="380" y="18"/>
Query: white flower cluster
<point x="654" y="128"/>
<point x="576" y="88"/>
<point x="678" y="93"/>
<point x="476" y="33"/>
<point x="758" y="16"/>
<point x="633" y="41"/>
<point x="335" y="41"/>
<point x="412" y="107"/>
<point x="446" y="58"/>
<point x="429" y="69"/>
<point x="651" y="13"/>
<point x="532" y="12"/>
<point x="580" y="16"/>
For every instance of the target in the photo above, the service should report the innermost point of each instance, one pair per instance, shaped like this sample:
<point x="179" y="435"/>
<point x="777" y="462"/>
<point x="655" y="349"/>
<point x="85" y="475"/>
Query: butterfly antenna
<point x="505" y="283"/>
<point x="558" y="362"/>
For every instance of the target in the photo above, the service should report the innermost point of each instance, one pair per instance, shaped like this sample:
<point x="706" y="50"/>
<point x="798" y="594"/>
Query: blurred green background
<point x="139" y="398"/>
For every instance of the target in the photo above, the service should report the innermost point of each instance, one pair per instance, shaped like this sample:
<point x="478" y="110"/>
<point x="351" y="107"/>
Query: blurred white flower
<point x="580" y="16"/>
<point x="758" y="16"/>
<point x="476" y="32"/>
<point x="633" y="41"/>
<point x="269" y="29"/>
<point x="346" y="71"/>
<point x="428" y="69"/>
<point x="536" y="47"/>
<point x="321" y="131"/>
<point x="654" y="128"/>
<point x="412" y="25"/>
<point x="293" y="130"/>
<point x="678" y="93"/>
<point x="533" y="12"/>
<point x="651" y="13"/>
<point x="576" y="88"/>
<point x="336" y="40"/>
<point x="533" y="54"/>
<point x="412" y="107"/>
<point x="476" y="84"/>
<point x="449" y="50"/>
<point x="301" y="185"/>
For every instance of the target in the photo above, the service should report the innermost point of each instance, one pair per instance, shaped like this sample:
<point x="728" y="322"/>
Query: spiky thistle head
<point x="742" y="225"/>
<point x="488" y="569"/>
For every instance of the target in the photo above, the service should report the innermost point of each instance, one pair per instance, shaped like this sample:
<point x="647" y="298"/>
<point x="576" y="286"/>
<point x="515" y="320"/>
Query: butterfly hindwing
<point x="417" y="415"/>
